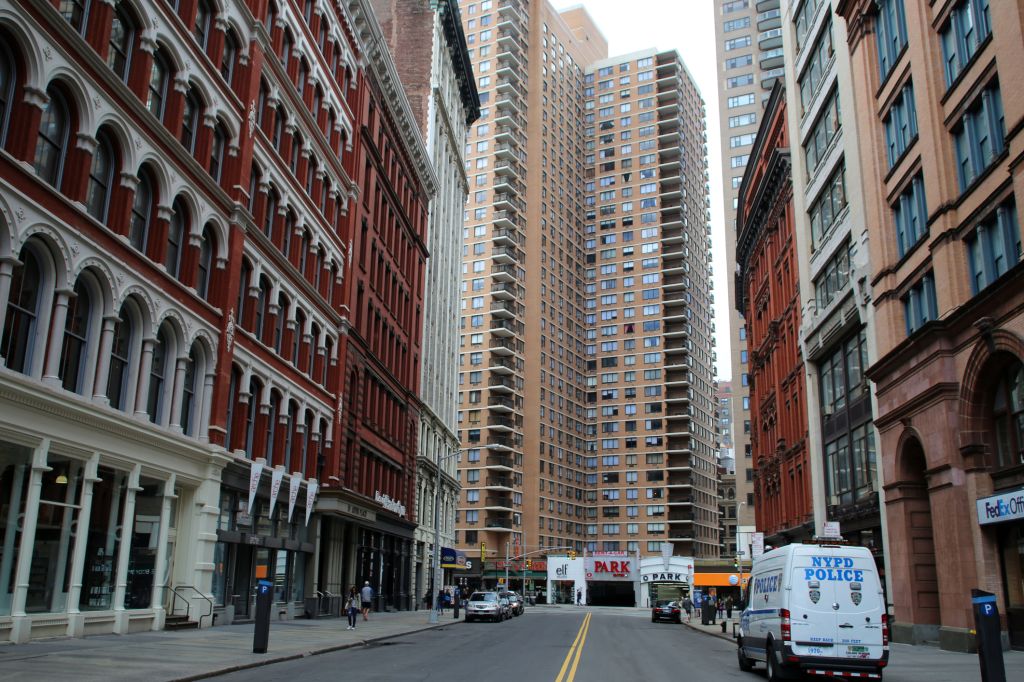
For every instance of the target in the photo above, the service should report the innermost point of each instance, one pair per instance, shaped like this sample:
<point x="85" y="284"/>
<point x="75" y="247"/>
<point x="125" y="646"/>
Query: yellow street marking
<point x="574" y="653"/>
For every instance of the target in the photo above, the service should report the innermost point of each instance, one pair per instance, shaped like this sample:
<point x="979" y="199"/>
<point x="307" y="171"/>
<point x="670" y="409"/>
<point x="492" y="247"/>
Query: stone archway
<point x="915" y="592"/>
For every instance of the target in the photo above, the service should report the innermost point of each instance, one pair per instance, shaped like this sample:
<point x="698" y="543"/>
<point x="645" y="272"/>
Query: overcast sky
<point x="689" y="27"/>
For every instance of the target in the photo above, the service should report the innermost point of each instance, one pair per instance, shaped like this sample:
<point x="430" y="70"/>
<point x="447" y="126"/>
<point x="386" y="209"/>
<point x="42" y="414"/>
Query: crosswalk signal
<point x="572" y="553"/>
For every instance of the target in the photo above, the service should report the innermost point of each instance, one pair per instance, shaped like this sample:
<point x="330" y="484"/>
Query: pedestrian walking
<point x="688" y="607"/>
<point x="440" y="601"/>
<point x="352" y="607"/>
<point x="728" y="608"/>
<point x="721" y="608"/>
<point x="447" y="598"/>
<point x="366" y="594"/>
<point x="579" y="597"/>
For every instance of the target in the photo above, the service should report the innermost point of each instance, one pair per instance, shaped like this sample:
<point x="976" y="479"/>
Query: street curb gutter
<point x="305" y="654"/>
<point x="719" y="635"/>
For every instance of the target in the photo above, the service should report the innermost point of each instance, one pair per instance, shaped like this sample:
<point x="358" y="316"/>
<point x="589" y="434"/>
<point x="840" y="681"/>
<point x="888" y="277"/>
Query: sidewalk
<point x="716" y="629"/>
<point x="197" y="654"/>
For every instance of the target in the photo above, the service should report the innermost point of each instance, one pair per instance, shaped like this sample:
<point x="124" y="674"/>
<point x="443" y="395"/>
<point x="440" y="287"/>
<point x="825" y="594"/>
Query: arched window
<point x="310" y="177"/>
<point x="303" y="76"/>
<point x="190" y="120"/>
<point x="52" y="142"/>
<point x="321" y="255"/>
<point x="289" y="230"/>
<point x="243" y="291"/>
<point x="76" y="338"/>
<point x="76" y="12"/>
<point x="307" y="11"/>
<point x="8" y="76"/>
<point x="282" y="312"/>
<point x="120" y="358"/>
<point x="158" y="375"/>
<point x="262" y="301"/>
<point x="261" y="105"/>
<point x="159" y="75"/>
<point x="1008" y="417"/>
<point x="255" y="390"/>
<point x="272" y="416"/>
<point x="325" y="192"/>
<point x="313" y="343"/>
<point x="303" y="251"/>
<point x="231" y="434"/>
<point x="271" y="18"/>
<point x="293" y="413"/>
<point x="122" y="37"/>
<point x="220" y="142"/>
<point x="101" y="178"/>
<point x="176" y="231"/>
<point x="270" y="213"/>
<point x="205" y="266"/>
<point x="318" y="98"/>
<point x="19" y="339"/>
<point x="228" y="56"/>
<point x="330" y="284"/>
<point x="286" y="49"/>
<point x="306" y="433"/>
<point x="189" y="388"/>
<point x="293" y="160"/>
<point x="300" y="329"/>
<point x="321" y="36"/>
<point x="142" y="211"/>
<point x="278" y="128"/>
<point x="255" y="177"/>
<point x="201" y="29"/>
<point x="328" y="354"/>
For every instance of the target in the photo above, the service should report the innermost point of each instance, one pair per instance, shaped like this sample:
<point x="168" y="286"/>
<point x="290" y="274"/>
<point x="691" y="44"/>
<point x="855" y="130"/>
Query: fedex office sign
<point x="611" y="568"/>
<point x="1006" y="507"/>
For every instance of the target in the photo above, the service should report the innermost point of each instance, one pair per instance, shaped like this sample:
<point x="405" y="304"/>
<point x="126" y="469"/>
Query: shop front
<point x="1003" y="515"/>
<point x="263" y="533"/>
<point x="722" y="584"/>
<point x="566" y="578"/>
<point x="612" y="579"/>
<point x="665" y="579"/>
<point x="89" y="527"/>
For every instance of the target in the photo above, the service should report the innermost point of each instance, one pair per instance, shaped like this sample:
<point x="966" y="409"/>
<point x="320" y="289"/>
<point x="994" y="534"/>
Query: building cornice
<point x="458" y="50"/>
<point x="381" y="66"/>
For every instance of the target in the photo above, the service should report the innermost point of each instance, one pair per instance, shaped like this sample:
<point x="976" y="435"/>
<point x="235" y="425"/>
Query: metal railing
<point x="175" y="596"/>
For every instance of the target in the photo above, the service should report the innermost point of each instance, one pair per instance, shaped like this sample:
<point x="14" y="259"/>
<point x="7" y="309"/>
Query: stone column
<point x="76" y="621"/>
<point x="7" y="264"/>
<point x="21" y="626"/>
<point x="99" y="394"/>
<point x="205" y="407"/>
<point x="124" y="552"/>
<point x="145" y="367"/>
<point x="51" y="369"/>
<point x="160" y="579"/>
<point x="178" y="391"/>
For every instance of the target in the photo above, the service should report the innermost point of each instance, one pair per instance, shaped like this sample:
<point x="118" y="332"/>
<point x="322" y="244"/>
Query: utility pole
<point x="506" y="564"/>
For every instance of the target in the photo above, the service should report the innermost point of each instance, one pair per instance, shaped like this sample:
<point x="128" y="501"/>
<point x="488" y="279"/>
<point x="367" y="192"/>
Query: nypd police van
<point x="815" y="609"/>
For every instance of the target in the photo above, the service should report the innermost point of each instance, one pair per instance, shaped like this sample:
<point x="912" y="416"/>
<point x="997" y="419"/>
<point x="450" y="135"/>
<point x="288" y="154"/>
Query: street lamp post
<point x="438" y="573"/>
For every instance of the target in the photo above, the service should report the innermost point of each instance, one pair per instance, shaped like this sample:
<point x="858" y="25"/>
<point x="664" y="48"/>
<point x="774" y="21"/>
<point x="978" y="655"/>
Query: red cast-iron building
<point x="211" y="276"/>
<point x="768" y="297"/>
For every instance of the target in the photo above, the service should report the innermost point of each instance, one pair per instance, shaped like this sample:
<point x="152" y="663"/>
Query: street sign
<point x="830" y="529"/>
<point x="756" y="544"/>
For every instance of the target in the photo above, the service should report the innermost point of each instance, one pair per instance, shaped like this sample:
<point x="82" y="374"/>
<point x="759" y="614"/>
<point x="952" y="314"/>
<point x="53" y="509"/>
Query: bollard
<point x="990" y="645"/>
<point x="723" y="627"/>
<point x="261" y="631"/>
<point x="455" y="603"/>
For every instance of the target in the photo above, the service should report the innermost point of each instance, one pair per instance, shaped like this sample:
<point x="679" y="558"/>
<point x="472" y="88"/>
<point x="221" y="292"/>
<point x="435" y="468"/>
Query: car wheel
<point x="774" y="670"/>
<point x="653" y="619"/>
<point x="746" y="665"/>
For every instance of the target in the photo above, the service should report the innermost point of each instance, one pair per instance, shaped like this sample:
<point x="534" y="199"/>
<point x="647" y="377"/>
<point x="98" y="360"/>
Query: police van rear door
<point x="812" y="601"/>
<point x="859" y="618"/>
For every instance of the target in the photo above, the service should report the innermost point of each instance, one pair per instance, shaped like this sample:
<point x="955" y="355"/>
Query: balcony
<point x="507" y="167"/>
<point x="503" y="273"/>
<point x="505" y="254"/>
<point x="506" y="328"/>
<point x="505" y="232"/>
<point x="499" y="502"/>
<point x="504" y="291"/>
<point x="499" y="523"/>
<point x="498" y="461"/>
<point x="499" y="482"/>
<point x="501" y="384"/>
<point x="502" y="365"/>
<point x="504" y="442"/>
<point x="500" y="405"/>
<point x="504" y="424"/>
<point x="504" y="151"/>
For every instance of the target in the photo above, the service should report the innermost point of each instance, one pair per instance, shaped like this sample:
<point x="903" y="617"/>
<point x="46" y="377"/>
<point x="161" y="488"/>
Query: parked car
<point x="506" y="607"/>
<point x="485" y="606"/>
<point x="518" y="603"/>
<point x="666" y="610"/>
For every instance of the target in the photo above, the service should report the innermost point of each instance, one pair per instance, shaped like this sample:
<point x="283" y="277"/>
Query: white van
<point x="815" y="609"/>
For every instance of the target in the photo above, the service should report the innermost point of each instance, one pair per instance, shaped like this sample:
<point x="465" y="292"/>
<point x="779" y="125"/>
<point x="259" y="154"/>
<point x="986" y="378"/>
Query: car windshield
<point x="484" y="596"/>
<point x="665" y="603"/>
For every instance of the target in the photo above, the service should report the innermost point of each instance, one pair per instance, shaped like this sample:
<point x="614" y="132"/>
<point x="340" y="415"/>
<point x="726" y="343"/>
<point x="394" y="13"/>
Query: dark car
<point x="517" y="602"/>
<point x="666" y="610"/>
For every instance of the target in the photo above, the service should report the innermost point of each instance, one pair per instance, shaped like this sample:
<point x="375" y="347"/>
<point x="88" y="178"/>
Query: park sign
<point x="619" y="567"/>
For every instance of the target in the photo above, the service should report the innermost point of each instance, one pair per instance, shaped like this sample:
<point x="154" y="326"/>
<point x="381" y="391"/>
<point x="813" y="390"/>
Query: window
<point x="19" y="337"/>
<point x="817" y="64"/>
<point x="142" y="209"/>
<point x="919" y="304"/>
<point x="994" y="246"/>
<point x="176" y="230"/>
<point x="823" y="133"/>
<point x="891" y="27"/>
<point x="742" y="120"/>
<point x="75" y="12"/>
<point x="828" y="208"/>
<point x="804" y="19"/>
<point x="228" y="56"/>
<point x="76" y="338"/>
<point x="158" y="76"/>
<point x="833" y="278"/>
<point x="900" y="124"/>
<point x="120" y="353"/>
<point x="205" y="265"/>
<point x="220" y="141"/>
<point x="969" y="25"/>
<point x="190" y="121"/>
<point x="740" y="100"/>
<point x="739" y="62"/>
<point x="910" y="213"/>
<point x="201" y="29"/>
<point x="1008" y="417"/>
<point x="737" y="43"/>
<point x="979" y="136"/>
<point x="52" y="142"/>
<point x="122" y="37"/>
<point x="101" y="176"/>
<point x="157" y="376"/>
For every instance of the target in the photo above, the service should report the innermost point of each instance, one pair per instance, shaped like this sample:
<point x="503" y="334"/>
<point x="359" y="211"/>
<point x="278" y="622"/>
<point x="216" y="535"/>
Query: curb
<point x="305" y="654"/>
<point x="727" y="637"/>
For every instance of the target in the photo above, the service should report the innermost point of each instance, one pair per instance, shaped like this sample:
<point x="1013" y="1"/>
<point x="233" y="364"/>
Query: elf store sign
<point x="616" y="567"/>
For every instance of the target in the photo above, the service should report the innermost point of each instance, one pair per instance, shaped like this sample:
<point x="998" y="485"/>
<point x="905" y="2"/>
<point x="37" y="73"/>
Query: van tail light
<point x="885" y="631"/>
<point x="787" y="628"/>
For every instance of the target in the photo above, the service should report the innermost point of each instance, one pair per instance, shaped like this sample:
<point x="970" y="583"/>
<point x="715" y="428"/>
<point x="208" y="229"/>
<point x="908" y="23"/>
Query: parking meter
<point x="261" y="633"/>
<point x="990" y="645"/>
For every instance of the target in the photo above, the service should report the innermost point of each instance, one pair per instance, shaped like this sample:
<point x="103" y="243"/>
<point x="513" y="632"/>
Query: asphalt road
<point x="565" y="644"/>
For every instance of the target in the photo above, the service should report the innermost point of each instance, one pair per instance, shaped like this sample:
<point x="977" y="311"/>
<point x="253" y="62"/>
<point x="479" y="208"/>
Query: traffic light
<point x="736" y="564"/>
<point x="483" y="551"/>
<point x="572" y="553"/>
<point x="529" y="565"/>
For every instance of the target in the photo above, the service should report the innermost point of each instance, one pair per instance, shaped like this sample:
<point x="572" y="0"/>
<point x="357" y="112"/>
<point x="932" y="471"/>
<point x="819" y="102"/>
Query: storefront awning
<point x="720" y="579"/>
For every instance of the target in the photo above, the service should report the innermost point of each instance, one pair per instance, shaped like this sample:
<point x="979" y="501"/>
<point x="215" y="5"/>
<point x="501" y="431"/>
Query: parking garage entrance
<point x="611" y="579"/>
<point x="605" y="593"/>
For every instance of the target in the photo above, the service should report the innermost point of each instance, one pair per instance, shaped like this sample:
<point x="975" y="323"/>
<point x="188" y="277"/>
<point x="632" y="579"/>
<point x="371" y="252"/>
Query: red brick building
<point x="183" y="186"/>
<point x="768" y="297"/>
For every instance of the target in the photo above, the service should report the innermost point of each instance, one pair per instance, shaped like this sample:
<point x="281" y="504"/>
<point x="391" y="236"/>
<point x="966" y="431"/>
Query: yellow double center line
<point x="572" y="660"/>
